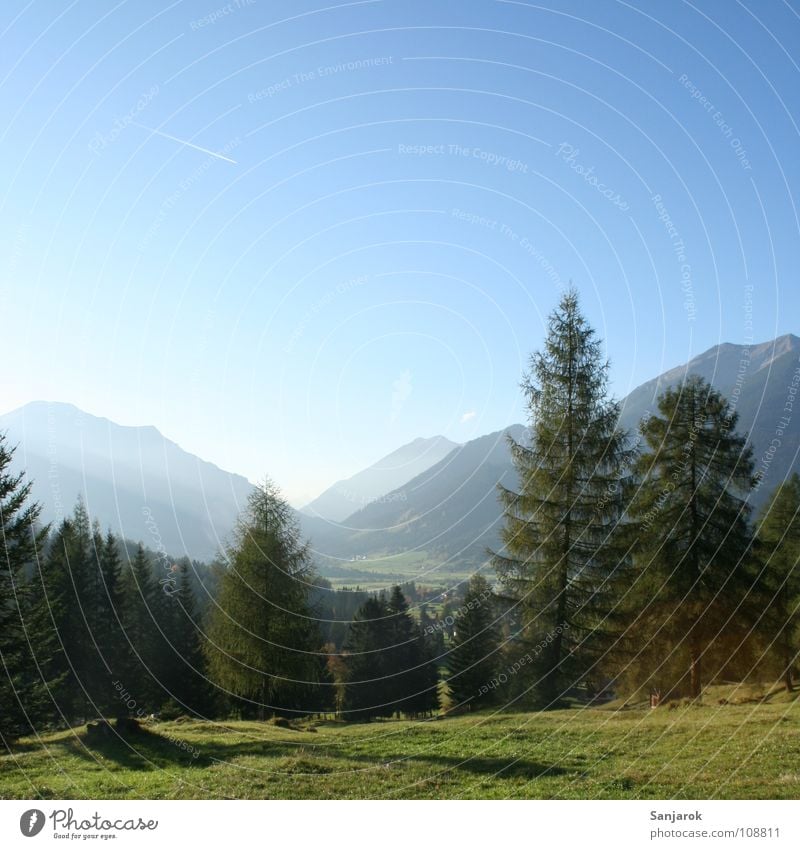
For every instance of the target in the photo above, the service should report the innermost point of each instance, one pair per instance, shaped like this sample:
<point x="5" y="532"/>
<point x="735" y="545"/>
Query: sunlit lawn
<point x="732" y="751"/>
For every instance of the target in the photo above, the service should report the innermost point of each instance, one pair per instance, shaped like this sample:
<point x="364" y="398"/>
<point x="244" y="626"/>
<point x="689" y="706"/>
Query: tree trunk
<point x="695" y="682"/>
<point x="787" y="677"/>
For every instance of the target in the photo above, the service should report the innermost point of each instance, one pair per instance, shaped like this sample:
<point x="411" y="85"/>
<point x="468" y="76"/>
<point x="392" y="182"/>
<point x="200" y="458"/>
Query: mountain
<point x="444" y="507"/>
<point x="373" y="483"/>
<point x="761" y="383"/>
<point x="132" y="479"/>
<point x="451" y="511"/>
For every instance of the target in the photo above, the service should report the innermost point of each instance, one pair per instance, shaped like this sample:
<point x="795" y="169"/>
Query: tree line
<point x="628" y="562"/>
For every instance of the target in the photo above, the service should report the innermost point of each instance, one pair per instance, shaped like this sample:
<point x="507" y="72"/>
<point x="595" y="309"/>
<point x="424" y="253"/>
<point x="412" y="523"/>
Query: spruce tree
<point x="778" y="537"/>
<point x="63" y="590"/>
<point x="689" y="530"/>
<point x="368" y="690"/>
<point x="262" y="646"/>
<point x="139" y="606"/>
<point x="185" y="672"/>
<point x="22" y="700"/>
<point x="472" y="661"/>
<point x="390" y="667"/>
<point x="109" y="633"/>
<point x="560" y="554"/>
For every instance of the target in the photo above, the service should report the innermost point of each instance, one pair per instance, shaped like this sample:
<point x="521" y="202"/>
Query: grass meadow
<point x="748" y="747"/>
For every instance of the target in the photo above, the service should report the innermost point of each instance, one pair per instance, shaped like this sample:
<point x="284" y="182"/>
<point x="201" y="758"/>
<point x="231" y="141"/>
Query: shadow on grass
<point x="150" y="749"/>
<point x="492" y="767"/>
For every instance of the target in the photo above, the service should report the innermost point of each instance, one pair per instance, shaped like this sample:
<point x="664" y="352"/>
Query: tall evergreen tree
<point x="368" y="692"/>
<point x="690" y="528"/>
<point x="778" y="537"/>
<point x="109" y="628"/>
<point x="262" y="646"/>
<point x="63" y="588"/>
<point x="472" y="661"/>
<point x="560" y="551"/>
<point x="140" y="605"/>
<point x="22" y="698"/>
<point x="389" y="664"/>
<point x="184" y="666"/>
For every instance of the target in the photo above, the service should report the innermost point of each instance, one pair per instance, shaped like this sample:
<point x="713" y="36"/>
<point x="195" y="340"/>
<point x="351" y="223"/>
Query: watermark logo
<point x="31" y="822"/>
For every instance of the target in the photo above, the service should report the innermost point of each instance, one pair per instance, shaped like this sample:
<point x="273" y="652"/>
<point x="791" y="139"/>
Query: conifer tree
<point x="185" y="672"/>
<point x="139" y="608"/>
<point x="778" y="538"/>
<point x="262" y="647"/>
<point x="689" y="526"/>
<point x="63" y="601"/>
<point x="22" y="696"/>
<point x="389" y="665"/>
<point x="472" y="662"/>
<point x="368" y="692"/>
<point x="560" y="558"/>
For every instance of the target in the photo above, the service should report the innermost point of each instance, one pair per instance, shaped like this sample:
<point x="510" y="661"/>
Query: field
<point x="378" y="573"/>
<point x="747" y="750"/>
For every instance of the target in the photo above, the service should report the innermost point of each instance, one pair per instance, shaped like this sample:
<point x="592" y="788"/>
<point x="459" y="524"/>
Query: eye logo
<point x="31" y="822"/>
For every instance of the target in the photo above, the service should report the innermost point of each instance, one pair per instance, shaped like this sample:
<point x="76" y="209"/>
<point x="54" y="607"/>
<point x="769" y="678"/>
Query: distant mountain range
<point x="370" y="485"/>
<point x="132" y="479"/>
<point x="432" y="496"/>
<point x="451" y="511"/>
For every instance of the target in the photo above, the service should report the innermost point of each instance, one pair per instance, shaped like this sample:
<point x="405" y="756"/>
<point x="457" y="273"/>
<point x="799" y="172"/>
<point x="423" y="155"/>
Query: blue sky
<point x="294" y="236"/>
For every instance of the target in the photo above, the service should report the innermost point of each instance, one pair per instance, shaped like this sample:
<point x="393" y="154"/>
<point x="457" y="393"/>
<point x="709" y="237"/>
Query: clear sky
<point x="295" y="235"/>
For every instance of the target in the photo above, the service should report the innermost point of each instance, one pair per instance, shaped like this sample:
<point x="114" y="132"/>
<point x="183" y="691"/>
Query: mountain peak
<point x="390" y="472"/>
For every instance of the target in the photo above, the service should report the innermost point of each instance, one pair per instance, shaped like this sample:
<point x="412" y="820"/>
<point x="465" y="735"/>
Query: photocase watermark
<point x="328" y="298"/>
<point x="167" y="582"/>
<point x="450" y="620"/>
<point x="525" y="660"/>
<point x="719" y="119"/>
<point x="569" y="154"/>
<point x="523" y="242"/>
<point x="321" y="72"/>
<point x="744" y="359"/>
<point x="781" y="426"/>
<point x="488" y="157"/>
<point x="401" y="392"/>
<point x="220" y="13"/>
<point x="53" y="474"/>
<point x="172" y="199"/>
<point x="679" y="250"/>
<point x="671" y="483"/>
<point x="33" y="821"/>
<point x="363" y="500"/>
<point x="100" y="141"/>
<point x="130" y="703"/>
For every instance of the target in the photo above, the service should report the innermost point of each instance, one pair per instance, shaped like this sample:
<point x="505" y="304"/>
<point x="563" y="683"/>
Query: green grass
<point x="380" y="572"/>
<point x="749" y="750"/>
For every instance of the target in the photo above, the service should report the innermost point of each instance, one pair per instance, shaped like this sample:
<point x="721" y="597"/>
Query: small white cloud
<point x="470" y="414"/>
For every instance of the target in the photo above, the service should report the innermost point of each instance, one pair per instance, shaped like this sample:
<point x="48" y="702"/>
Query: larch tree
<point x="690" y="531"/>
<point x="560" y="560"/>
<point x="263" y="646"/>
<point x="778" y="537"/>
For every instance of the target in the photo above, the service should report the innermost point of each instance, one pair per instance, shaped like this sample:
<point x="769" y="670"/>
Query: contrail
<point x="184" y="142"/>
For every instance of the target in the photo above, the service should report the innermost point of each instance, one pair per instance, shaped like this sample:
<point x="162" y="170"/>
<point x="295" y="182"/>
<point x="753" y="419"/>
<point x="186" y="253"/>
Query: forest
<point x="631" y="564"/>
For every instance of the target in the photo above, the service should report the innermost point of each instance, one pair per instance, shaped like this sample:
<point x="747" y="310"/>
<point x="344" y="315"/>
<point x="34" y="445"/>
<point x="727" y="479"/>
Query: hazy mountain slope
<point x="374" y="482"/>
<point x="450" y="510"/>
<point x="757" y="381"/>
<point x="133" y="479"/>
